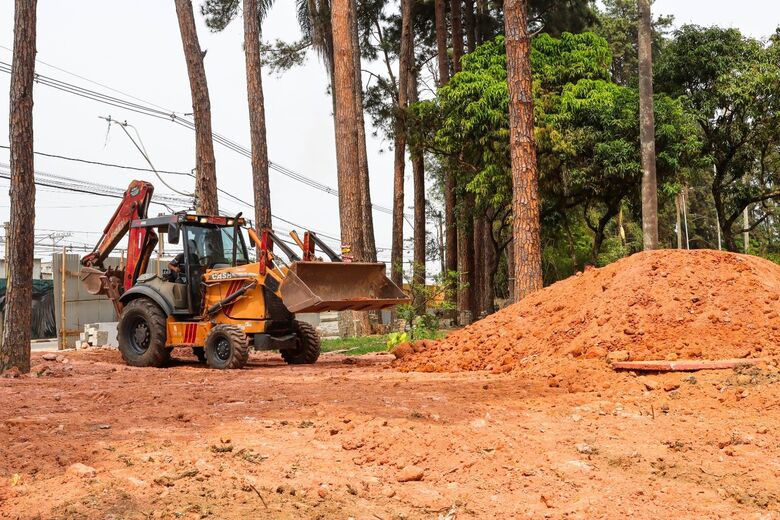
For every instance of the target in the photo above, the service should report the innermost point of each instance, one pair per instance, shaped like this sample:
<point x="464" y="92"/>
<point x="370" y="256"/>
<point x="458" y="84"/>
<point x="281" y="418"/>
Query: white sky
<point x="135" y="47"/>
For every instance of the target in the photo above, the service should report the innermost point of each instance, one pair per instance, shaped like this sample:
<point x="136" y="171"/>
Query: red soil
<point x="655" y="305"/>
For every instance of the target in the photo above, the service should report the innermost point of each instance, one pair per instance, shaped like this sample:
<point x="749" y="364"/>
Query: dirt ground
<point x="94" y="439"/>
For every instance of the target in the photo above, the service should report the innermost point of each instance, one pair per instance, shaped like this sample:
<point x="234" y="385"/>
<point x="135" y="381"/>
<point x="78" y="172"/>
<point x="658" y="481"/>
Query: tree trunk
<point x="399" y="159"/>
<point x="525" y="177"/>
<point x="471" y="26"/>
<point x="465" y="267"/>
<point x="205" y="164"/>
<point x="15" y="348"/>
<point x="487" y="266"/>
<point x="678" y="221"/>
<point x="647" y="129"/>
<point x="449" y="178"/>
<point x="440" y="232"/>
<point x="418" y="179"/>
<point x="347" y="142"/>
<point x="365" y="183"/>
<point x="478" y="265"/>
<point x="510" y="269"/>
<point x="441" y="41"/>
<point x="479" y="28"/>
<point x="257" y="131"/>
<point x="457" y="34"/>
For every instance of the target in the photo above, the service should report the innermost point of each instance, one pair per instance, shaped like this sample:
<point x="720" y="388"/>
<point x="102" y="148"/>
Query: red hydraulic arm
<point x="134" y="206"/>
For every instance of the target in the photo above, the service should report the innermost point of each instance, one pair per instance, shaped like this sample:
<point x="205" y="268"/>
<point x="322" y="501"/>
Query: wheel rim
<point x="222" y="349"/>
<point x="139" y="335"/>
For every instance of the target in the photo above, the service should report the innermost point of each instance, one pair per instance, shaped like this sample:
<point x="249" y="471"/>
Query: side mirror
<point x="174" y="233"/>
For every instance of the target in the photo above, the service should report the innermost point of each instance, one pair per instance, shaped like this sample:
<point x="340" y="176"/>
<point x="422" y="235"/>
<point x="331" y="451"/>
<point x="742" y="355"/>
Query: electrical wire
<point x="181" y="120"/>
<point x="321" y="234"/>
<point x="108" y="165"/>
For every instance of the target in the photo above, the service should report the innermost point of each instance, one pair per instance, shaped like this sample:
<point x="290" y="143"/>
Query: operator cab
<point x="207" y="242"/>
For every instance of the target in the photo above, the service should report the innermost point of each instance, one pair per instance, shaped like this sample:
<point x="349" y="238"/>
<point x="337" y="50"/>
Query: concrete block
<point x="100" y="338"/>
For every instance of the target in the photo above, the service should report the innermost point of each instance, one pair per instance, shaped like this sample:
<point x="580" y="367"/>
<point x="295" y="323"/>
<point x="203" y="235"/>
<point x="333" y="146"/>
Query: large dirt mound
<point x="655" y="305"/>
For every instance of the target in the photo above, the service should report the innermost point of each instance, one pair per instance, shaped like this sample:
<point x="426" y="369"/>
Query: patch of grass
<point x="356" y="346"/>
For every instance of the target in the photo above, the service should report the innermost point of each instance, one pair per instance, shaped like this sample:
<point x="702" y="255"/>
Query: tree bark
<point x="525" y="177"/>
<point x="449" y="177"/>
<point x="399" y="160"/>
<point x="257" y="131"/>
<point x="489" y="270"/>
<point x="365" y="183"/>
<point x="418" y="180"/>
<point x="479" y="28"/>
<point x="478" y="265"/>
<point x="465" y="302"/>
<point x="647" y="129"/>
<point x="205" y="164"/>
<point x="15" y="348"/>
<point x="471" y="26"/>
<point x="347" y="142"/>
<point x="510" y="269"/>
<point x="440" y="14"/>
<point x="485" y="265"/>
<point x="457" y="34"/>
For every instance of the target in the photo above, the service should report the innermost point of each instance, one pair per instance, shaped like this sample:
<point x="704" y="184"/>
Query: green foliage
<point x="396" y="338"/>
<point x="732" y="85"/>
<point x="219" y="13"/>
<point x="428" y="303"/>
<point x="616" y="22"/>
<point x="355" y="346"/>
<point x="587" y="131"/>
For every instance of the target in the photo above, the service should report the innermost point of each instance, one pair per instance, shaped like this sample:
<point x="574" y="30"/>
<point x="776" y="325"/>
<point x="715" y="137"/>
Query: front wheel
<point x="143" y="333"/>
<point x="308" y="345"/>
<point x="226" y="347"/>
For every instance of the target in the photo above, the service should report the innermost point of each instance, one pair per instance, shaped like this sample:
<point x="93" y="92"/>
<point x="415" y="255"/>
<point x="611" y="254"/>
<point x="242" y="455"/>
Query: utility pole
<point x="63" y="301"/>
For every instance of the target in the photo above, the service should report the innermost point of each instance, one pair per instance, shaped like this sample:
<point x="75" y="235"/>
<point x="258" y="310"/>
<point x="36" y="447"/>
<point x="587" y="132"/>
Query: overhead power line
<point x="92" y="188"/>
<point x="108" y="165"/>
<point x="169" y="201"/>
<point x="116" y="190"/>
<point x="144" y="109"/>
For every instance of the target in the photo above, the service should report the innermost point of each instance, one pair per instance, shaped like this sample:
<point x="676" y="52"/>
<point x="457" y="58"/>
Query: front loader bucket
<point x="93" y="280"/>
<point x="339" y="286"/>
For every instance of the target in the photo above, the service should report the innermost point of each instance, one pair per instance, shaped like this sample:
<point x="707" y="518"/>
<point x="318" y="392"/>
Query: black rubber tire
<point x="200" y="353"/>
<point x="226" y="347"/>
<point x="142" y="332"/>
<point x="308" y="349"/>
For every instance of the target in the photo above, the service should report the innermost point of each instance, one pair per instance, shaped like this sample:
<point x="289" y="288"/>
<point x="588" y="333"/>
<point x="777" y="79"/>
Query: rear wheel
<point x="142" y="334"/>
<point x="308" y="349"/>
<point x="226" y="347"/>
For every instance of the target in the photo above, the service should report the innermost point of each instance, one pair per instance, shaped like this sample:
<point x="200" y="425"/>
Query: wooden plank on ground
<point x="683" y="365"/>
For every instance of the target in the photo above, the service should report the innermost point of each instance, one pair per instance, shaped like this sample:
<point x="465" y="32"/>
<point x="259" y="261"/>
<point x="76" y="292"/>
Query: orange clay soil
<point x="667" y="304"/>
<point x="351" y="438"/>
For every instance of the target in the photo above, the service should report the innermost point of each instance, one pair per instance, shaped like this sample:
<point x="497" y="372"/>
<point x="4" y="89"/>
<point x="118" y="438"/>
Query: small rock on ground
<point x="82" y="470"/>
<point x="410" y="474"/>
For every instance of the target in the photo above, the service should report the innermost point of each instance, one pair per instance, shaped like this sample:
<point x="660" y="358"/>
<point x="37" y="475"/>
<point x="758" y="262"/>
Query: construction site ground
<point x="89" y="437"/>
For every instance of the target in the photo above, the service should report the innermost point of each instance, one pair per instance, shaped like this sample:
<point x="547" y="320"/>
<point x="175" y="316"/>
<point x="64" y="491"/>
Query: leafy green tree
<point x="616" y="22"/>
<point x="732" y="83"/>
<point x="595" y="135"/>
<point x="587" y="131"/>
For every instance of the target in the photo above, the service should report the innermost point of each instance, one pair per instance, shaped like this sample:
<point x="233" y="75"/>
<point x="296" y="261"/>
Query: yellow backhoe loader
<point x="218" y="302"/>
